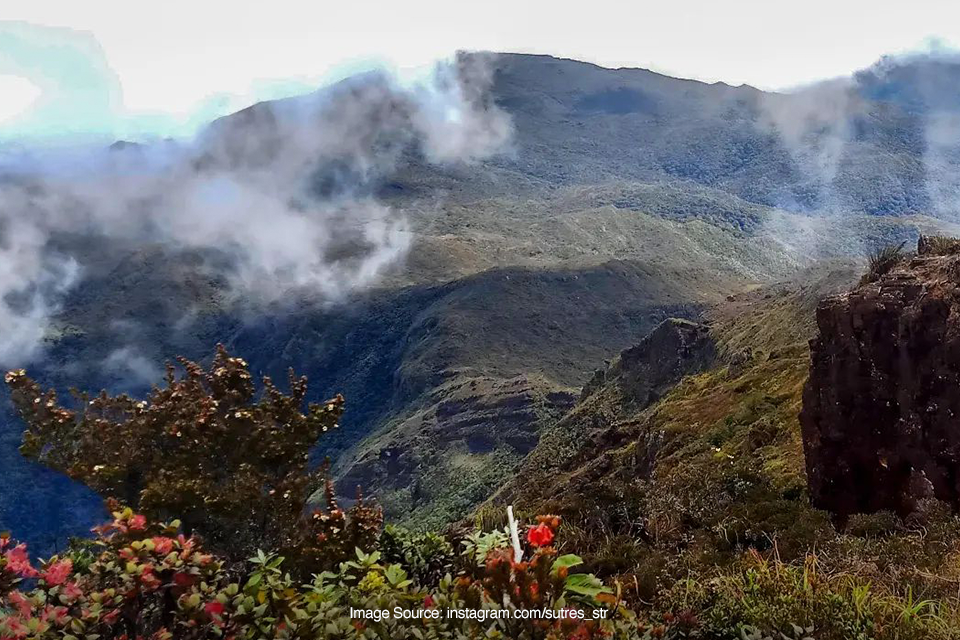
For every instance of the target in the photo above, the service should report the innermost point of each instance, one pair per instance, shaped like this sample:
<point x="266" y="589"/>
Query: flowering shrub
<point x="235" y="469"/>
<point x="151" y="581"/>
<point x="11" y="564"/>
<point x="146" y="580"/>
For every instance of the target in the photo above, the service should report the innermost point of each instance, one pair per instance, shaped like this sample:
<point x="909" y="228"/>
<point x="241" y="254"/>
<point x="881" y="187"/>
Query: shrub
<point x="205" y="449"/>
<point x="428" y="557"/>
<point x="149" y="581"/>
<point x="938" y="246"/>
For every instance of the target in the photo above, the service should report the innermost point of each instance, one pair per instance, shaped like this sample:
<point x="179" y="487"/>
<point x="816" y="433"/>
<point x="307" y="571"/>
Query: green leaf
<point x="395" y="575"/>
<point x="585" y="584"/>
<point x="569" y="560"/>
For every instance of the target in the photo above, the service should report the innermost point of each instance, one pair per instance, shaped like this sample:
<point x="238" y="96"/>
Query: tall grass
<point x="882" y="261"/>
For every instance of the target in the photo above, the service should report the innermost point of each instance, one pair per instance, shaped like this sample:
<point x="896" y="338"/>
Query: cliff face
<point x="643" y="372"/>
<point x="434" y="465"/>
<point x="881" y="408"/>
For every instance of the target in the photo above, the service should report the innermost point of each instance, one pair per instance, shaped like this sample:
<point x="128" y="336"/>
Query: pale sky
<point x="163" y="67"/>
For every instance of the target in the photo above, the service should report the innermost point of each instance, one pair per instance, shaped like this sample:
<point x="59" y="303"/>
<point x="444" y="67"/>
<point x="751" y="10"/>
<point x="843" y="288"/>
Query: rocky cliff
<point x="881" y="408"/>
<point x="574" y="450"/>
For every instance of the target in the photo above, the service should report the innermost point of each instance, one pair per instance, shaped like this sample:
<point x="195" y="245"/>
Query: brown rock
<point x="881" y="409"/>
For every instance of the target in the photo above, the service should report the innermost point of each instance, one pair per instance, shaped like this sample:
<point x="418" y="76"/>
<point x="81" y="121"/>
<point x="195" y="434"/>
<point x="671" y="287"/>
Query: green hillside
<point x="626" y="197"/>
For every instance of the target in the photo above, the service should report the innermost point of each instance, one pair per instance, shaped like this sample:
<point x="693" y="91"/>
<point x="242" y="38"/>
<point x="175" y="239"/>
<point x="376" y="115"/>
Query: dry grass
<point x="938" y="246"/>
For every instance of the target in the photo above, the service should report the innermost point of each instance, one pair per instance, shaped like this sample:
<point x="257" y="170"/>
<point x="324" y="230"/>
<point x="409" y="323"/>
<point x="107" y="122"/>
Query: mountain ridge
<point x="627" y="191"/>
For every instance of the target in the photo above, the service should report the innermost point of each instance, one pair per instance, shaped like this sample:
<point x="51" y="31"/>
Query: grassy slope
<point x="435" y="465"/>
<point x="699" y="500"/>
<point x="556" y="321"/>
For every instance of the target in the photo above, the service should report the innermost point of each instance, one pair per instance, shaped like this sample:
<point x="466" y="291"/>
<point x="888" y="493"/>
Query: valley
<point x="625" y="198"/>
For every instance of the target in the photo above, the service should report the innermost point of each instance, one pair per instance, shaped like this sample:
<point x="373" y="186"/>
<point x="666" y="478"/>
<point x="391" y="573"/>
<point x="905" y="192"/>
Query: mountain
<point x="626" y="198"/>
<point x="871" y="143"/>
<point x="704" y="464"/>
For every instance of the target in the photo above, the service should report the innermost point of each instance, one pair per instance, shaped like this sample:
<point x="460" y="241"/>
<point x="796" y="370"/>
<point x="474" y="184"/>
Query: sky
<point x="128" y="69"/>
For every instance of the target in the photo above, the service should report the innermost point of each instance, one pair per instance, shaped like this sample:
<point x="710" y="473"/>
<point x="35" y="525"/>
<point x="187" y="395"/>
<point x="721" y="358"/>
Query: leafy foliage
<point x="427" y="556"/>
<point x="149" y="581"/>
<point x="233" y="467"/>
<point x="718" y="542"/>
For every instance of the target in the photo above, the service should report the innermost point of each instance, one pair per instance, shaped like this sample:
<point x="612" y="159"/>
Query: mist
<point x="883" y="141"/>
<point x="279" y="199"/>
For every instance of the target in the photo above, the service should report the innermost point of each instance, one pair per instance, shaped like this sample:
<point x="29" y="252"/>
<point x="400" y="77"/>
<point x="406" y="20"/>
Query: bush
<point x="938" y="246"/>
<point x="205" y="449"/>
<point x="149" y="581"/>
<point x="428" y="557"/>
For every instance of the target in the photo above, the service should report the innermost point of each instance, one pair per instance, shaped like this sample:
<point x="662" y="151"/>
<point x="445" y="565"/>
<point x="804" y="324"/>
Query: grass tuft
<point x="882" y="261"/>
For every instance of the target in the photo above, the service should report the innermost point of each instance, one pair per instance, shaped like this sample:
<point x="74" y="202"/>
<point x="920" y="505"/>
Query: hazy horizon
<point x="101" y="70"/>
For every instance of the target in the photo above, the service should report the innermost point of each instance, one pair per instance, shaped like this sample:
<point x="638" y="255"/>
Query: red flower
<point x="183" y="579"/>
<point x="162" y="545"/>
<point x="58" y="572"/>
<point x="16" y="628"/>
<point x="20" y="602"/>
<point x="428" y="602"/>
<point x="19" y="562"/>
<point x="148" y="579"/>
<point x="71" y="591"/>
<point x="56" y="615"/>
<point x="214" y="608"/>
<point x="540" y="535"/>
<point x="138" y="522"/>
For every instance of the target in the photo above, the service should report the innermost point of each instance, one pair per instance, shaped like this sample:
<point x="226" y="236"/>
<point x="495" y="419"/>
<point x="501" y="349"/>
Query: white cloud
<point x="18" y="95"/>
<point x="278" y="197"/>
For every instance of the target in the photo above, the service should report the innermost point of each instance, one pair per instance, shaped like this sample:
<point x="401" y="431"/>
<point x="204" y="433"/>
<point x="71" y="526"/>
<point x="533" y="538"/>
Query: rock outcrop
<point x="881" y="408"/>
<point x="642" y="373"/>
<point x="635" y="379"/>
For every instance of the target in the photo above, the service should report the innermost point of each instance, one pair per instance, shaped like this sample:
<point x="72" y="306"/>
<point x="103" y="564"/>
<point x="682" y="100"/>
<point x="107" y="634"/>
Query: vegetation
<point x="692" y="511"/>
<point x="204" y="449"/>
<point x="232" y="468"/>
<point x="715" y="540"/>
<point x="719" y="528"/>
<point x="937" y="245"/>
<point x="147" y="580"/>
<point x="882" y="261"/>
